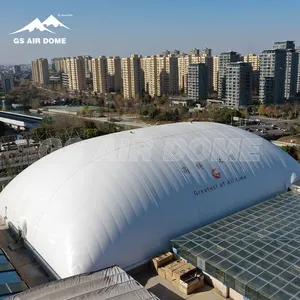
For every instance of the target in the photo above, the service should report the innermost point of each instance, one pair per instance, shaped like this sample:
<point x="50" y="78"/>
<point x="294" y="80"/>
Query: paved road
<point x="126" y="121"/>
<point x="278" y="122"/>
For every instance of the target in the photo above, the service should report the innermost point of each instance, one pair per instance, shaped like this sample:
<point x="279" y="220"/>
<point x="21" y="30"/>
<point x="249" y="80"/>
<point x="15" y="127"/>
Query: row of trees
<point x="285" y="111"/>
<point x="155" y="113"/>
<point x="174" y="114"/>
<point x="66" y="127"/>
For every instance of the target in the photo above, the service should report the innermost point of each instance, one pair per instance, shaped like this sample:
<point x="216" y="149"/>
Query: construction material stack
<point x="186" y="277"/>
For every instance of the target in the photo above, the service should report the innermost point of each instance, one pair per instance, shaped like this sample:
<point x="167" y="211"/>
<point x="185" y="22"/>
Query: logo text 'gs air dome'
<point x="37" y="25"/>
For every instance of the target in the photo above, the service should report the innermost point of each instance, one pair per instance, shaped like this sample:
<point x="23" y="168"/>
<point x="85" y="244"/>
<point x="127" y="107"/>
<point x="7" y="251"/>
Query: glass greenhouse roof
<point x="255" y="251"/>
<point x="10" y="281"/>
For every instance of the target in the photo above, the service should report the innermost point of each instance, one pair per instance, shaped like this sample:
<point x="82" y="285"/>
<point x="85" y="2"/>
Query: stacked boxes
<point x="191" y="282"/>
<point x="186" y="269"/>
<point x="180" y="273"/>
<point x="172" y="267"/>
<point x="161" y="260"/>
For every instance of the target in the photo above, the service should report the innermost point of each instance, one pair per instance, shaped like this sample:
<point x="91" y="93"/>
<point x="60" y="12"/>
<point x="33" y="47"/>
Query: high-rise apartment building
<point x="88" y="65"/>
<point x="196" y="56"/>
<point x="194" y="51"/>
<point x="114" y="73"/>
<point x="132" y="77"/>
<point x="54" y="62"/>
<point x="40" y="71"/>
<point x="184" y="61"/>
<point x="215" y="73"/>
<point x="284" y="45"/>
<point x="291" y="73"/>
<point x="65" y="80"/>
<point x="199" y="52"/>
<point x="253" y="59"/>
<point x="298" y="73"/>
<point x="6" y="83"/>
<point x="160" y="73"/>
<point x="17" y="69"/>
<point x="75" y="68"/>
<point x="57" y="64"/>
<point x="162" y="83"/>
<point x="167" y="75"/>
<point x="272" y="76"/>
<point x="238" y="84"/>
<point x="149" y="72"/>
<point x="100" y="74"/>
<point x="279" y="73"/>
<point x="63" y="64"/>
<point x="172" y="71"/>
<point x="198" y="81"/>
<point x="224" y="59"/>
<point x="204" y="57"/>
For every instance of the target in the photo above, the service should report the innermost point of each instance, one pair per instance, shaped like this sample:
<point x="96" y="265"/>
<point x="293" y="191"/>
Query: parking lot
<point x="270" y="129"/>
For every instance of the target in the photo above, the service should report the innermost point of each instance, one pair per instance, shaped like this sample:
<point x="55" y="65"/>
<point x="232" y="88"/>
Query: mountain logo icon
<point x="42" y="26"/>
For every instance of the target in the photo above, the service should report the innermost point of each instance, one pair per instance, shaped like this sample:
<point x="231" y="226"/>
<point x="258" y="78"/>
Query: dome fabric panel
<point x="120" y="198"/>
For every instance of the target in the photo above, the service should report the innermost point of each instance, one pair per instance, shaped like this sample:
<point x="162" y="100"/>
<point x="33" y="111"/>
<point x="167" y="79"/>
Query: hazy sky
<point x="124" y="27"/>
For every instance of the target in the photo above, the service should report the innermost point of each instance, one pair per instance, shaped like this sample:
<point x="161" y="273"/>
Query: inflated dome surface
<point x="119" y="199"/>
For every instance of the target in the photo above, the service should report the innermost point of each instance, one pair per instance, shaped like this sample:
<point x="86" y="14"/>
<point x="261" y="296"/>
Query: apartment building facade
<point x="253" y="59"/>
<point x="272" y="76"/>
<point x="224" y="59"/>
<point x="40" y="71"/>
<point x="149" y="72"/>
<point x="184" y="61"/>
<point x="196" y="56"/>
<point x="160" y="73"/>
<point x="100" y="75"/>
<point x="215" y="73"/>
<point x="132" y="77"/>
<point x="88" y="66"/>
<point x="238" y="84"/>
<point x="75" y="68"/>
<point x="114" y="76"/>
<point x="198" y="81"/>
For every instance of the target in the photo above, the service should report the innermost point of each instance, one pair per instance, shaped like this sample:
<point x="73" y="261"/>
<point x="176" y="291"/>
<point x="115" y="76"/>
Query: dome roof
<point x="119" y="199"/>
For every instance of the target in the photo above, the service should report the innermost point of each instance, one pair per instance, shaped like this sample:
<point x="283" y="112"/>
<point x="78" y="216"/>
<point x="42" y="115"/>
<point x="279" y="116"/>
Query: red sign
<point x="215" y="173"/>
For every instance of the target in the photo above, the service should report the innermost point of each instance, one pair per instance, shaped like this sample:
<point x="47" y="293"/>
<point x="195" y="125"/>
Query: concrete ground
<point x="165" y="290"/>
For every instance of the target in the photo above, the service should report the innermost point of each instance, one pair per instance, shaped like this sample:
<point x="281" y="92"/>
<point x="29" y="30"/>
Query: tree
<point x="91" y="132"/>
<point x="183" y="110"/>
<point x="261" y="110"/>
<point x="84" y="111"/>
<point x="225" y="115"/>
<point x="120" y="112"/>
<point x="244" y="113"/>
<point x="154" y="112"/>
<point x="35" y="103"/>
<point x="292" y="151"/>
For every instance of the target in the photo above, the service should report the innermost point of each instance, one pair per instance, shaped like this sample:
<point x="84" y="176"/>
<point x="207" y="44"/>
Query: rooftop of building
<point x="19" y="270"/>
<point x="181" y="99"/>
<point x="297" y="183"/>
<point x="109" y="283"/>
<point x="255" y="251"/>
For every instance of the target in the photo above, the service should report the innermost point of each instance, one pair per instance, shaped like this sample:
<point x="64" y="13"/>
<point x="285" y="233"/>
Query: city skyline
<point x="118" y="28"/>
